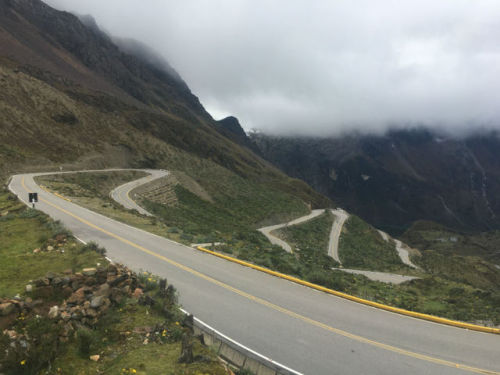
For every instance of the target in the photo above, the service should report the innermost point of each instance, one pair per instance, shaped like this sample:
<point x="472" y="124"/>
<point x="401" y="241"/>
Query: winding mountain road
<point x="310" y="331"/>
<point x="267" y="231"/>
<point x="121" y="194"/>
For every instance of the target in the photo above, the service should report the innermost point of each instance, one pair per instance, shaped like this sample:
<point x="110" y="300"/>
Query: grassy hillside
<point x="428" y="235"/>
<point x="362" y="247"/>
<point x="32" y="247"/>
<point x="309" y="240"/>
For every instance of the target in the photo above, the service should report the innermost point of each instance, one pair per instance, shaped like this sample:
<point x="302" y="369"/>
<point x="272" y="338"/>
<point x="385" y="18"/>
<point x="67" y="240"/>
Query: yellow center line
<point x="283" y="310"/>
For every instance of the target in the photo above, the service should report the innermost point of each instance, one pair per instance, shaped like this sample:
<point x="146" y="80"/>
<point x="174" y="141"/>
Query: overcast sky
<point x="323" y="67"/>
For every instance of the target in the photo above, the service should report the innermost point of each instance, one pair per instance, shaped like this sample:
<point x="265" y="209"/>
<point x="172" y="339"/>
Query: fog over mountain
<point x="323" y="67"/>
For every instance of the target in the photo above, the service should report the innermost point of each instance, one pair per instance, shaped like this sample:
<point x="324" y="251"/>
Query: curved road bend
<point x="403" y="253"/>
<point x="267" y="231"/>
<point x="121" y="193"/>
<point x="309" y="331"/>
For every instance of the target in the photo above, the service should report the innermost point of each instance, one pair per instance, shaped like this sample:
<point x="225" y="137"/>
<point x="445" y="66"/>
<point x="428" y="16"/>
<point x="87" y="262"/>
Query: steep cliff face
<point x="403" y="176"/>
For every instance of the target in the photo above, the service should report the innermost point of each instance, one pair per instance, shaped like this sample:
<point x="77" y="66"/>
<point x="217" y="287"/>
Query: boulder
<point x="103" y="290"/>
<point x="95" y="357"/>
<point x="29" y="288"/>
<point x="53" y="312"/>
<point x="137" y="293"/>
<point x="96" y="302"/>
<point x="89" y="271"/>
<point x="65" y="316"/>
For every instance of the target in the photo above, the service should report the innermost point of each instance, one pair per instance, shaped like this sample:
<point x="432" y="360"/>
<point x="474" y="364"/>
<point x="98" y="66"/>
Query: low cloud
<point x="324" y="67"/>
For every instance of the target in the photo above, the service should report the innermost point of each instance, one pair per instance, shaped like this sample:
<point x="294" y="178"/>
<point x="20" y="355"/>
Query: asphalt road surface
<point x="307" y="330"/>
<point x="333" y="245"/>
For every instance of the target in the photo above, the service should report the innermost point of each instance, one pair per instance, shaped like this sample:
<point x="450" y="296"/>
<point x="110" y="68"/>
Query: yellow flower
<point x="164" y="333"/>
<point x="150" y="279"/>
<point x="23" y="362"/>
<point x="133" y="371"/>
<point x="176" y="323"/>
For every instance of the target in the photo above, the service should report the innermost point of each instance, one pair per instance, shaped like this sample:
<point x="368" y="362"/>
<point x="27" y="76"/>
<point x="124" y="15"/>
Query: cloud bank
<point x="324" y="67"/>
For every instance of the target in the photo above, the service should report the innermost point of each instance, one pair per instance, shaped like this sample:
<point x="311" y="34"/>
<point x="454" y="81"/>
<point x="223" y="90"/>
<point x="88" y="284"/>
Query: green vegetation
<point x="23" y="230"/>
<point x="429" y="235"/>
<point x="118" y="338"/>
<point x="309" y="241"/>
<point x="362" y="247"/>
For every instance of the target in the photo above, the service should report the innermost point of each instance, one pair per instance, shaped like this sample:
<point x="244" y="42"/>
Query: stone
<point x="97" y="302"/>
<point x="137" y="293"/>
<point x="90" y="281"/>
<point x="77" y="297"/>
<point x="89" y="271"/>
<point x="50" y="275"/>
<point x="67" y="291"/>
<point x="57" y="281"/>
<point x="65" y="316"/>
<point x="103" y="290"/>
<point x="6" y="308"/>
<point x="95" y="357"/>
<point x="36" y="251"/>
<point x="117" y="280"/>
<point x="29" y="288"/>
<point x="90" y="313"/>
<point x="50" y="248"/>
<point x="42" y="282"/>
<point x="112" y="270"/>
<point x="44" y="292"/>
<point x="54" y="312"/>
<point x="68" y="271"/>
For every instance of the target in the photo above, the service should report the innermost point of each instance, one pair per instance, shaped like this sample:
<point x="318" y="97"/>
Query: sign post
<point x="33" y="198"/>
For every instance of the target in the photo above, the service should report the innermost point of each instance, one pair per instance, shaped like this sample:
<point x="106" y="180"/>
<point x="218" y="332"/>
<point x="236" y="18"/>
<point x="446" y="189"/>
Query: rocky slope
<point x="395" y="179"/>
<point x="72" y="96"/>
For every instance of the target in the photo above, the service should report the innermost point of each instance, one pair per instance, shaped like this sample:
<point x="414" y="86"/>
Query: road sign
<point x="33" y="197"/>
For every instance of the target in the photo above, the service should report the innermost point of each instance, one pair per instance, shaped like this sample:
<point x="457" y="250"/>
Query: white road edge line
<point x="242" y="346"/>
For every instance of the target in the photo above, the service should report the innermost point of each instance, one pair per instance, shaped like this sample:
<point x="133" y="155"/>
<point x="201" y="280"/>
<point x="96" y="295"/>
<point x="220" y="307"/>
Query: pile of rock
<point x="87" y="295"/>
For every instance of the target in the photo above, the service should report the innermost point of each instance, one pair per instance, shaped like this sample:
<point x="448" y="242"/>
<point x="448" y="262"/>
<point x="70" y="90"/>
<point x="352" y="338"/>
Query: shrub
<point x="92" y="246"/>
<point x="86" y="341"/>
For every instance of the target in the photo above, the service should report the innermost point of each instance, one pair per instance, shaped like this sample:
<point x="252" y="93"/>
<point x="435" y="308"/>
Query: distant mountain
<point x="398" y="178"/>
<point x="73" y="96"/>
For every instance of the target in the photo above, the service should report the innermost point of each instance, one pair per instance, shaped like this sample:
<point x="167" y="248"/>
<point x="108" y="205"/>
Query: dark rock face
<point x="403" y="176"/>
<point x="230" y="128"/>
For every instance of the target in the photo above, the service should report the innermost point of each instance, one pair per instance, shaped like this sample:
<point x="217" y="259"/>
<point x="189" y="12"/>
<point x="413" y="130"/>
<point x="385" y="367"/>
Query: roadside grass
<point x="117" y="338"/>
<point x="22" y="231"/>
<point x="125" y="348"/>
<point x="362" y="247"/>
